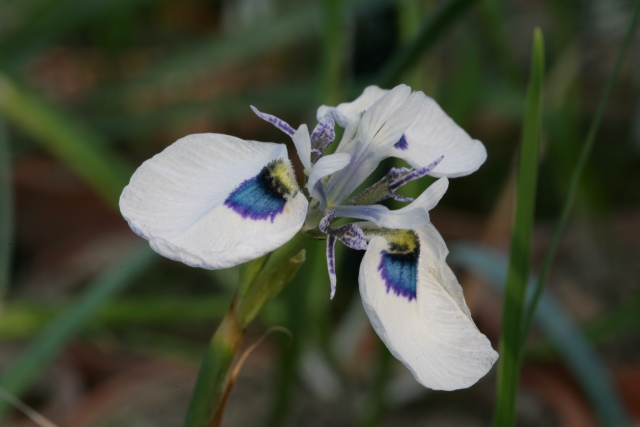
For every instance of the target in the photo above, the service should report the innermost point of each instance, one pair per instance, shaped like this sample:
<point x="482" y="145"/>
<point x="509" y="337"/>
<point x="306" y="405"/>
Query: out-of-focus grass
<point x="430" y="31"/>
<point x="45" y="21"/>
<point x="17" y="377"/>
<point x="493" y="18"/>
<point x="22" y="320"/>
<point x="75" y="144"/>
<point x="522" y="230"/>
<point x="6" y="212"/>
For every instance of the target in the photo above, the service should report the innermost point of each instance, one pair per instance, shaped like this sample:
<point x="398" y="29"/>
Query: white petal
<point x="413" y="215"/>
<point x="379" y="128"/>
<point x="434" y="134"/>
<point x="432" y="334"/>
<point x="382" y="110"/>
<point x="186" y="201"/>
<point x="386" y="121"/>
<point x="348" y="111"/>
<point x="302" y="141"/>
<point x="326" y="166"/>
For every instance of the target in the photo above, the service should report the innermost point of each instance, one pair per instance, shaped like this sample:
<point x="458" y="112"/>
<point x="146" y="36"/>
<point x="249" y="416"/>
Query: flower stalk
<point x="261" y="280"/>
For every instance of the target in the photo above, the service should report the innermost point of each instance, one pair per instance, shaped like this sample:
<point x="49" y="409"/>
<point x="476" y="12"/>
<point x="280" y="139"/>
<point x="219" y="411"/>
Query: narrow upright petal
<point x="417" y="307"/>
<point x="433" y="134"/>
<point x="326" y="166"/>
<point x="331" y="264"/>
<point x="380" y="111"/>
<point x="303" y="146"/>
<point x="414" y="215"/>
<point x="380" y="127"/>
<point x="323" y="134"/>
<point x="215" y="201"/>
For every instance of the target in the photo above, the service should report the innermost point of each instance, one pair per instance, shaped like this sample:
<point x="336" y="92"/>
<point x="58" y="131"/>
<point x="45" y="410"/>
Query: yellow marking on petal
<point x="282" y="177"/>
<point x="400" y="241"/>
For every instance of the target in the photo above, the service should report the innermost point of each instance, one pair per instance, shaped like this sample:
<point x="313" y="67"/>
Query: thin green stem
<point x="261" y="290"/>
<point x="575" y="181"/>
<point x="214" y="380"/>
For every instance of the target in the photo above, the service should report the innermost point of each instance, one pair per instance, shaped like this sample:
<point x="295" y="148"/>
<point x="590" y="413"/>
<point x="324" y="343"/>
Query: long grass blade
<point x="558" y="327"/>
<point x="17" y="377"/>
<point x="431" y="30"/>
<point x="576" y="176"/>
<point x="6" y="211"/>
<point x="77" y="146"/>
<point x="519" y="260"/>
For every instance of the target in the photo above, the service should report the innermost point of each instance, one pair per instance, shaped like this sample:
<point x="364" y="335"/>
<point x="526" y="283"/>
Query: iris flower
<point x="214" y="201"/>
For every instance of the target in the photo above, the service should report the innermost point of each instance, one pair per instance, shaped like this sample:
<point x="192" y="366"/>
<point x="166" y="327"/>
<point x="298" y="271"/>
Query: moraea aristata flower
<point x="215" y="201"/>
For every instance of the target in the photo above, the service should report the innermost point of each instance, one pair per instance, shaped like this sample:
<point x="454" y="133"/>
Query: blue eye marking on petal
<point x="402" y="144"/>
<point x="399" y="266"/>
<point x="265" y="195"/>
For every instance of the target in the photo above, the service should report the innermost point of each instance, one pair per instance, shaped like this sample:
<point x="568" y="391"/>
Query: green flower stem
<point x="272" y="278"/>
<point x="216" y="372"/>
<point x="214" y="380"/>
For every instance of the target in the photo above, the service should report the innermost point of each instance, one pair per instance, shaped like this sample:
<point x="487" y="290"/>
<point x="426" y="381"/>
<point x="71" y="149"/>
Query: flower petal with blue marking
<point x="433" y="134"/>
<point x="215" y="201"/>
<point x="416" y="306"/>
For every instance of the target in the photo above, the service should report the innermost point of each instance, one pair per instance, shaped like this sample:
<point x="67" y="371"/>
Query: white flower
<point x="215" y="201"/>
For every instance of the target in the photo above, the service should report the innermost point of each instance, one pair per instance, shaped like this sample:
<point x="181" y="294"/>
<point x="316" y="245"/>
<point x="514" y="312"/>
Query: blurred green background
<point x="96" y="330"/>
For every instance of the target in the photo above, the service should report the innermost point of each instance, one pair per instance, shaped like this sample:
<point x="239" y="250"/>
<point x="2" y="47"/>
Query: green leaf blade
<point x="519" y="261"/>
<point x="77" y="146"/>
<point x="574" y="185"/>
